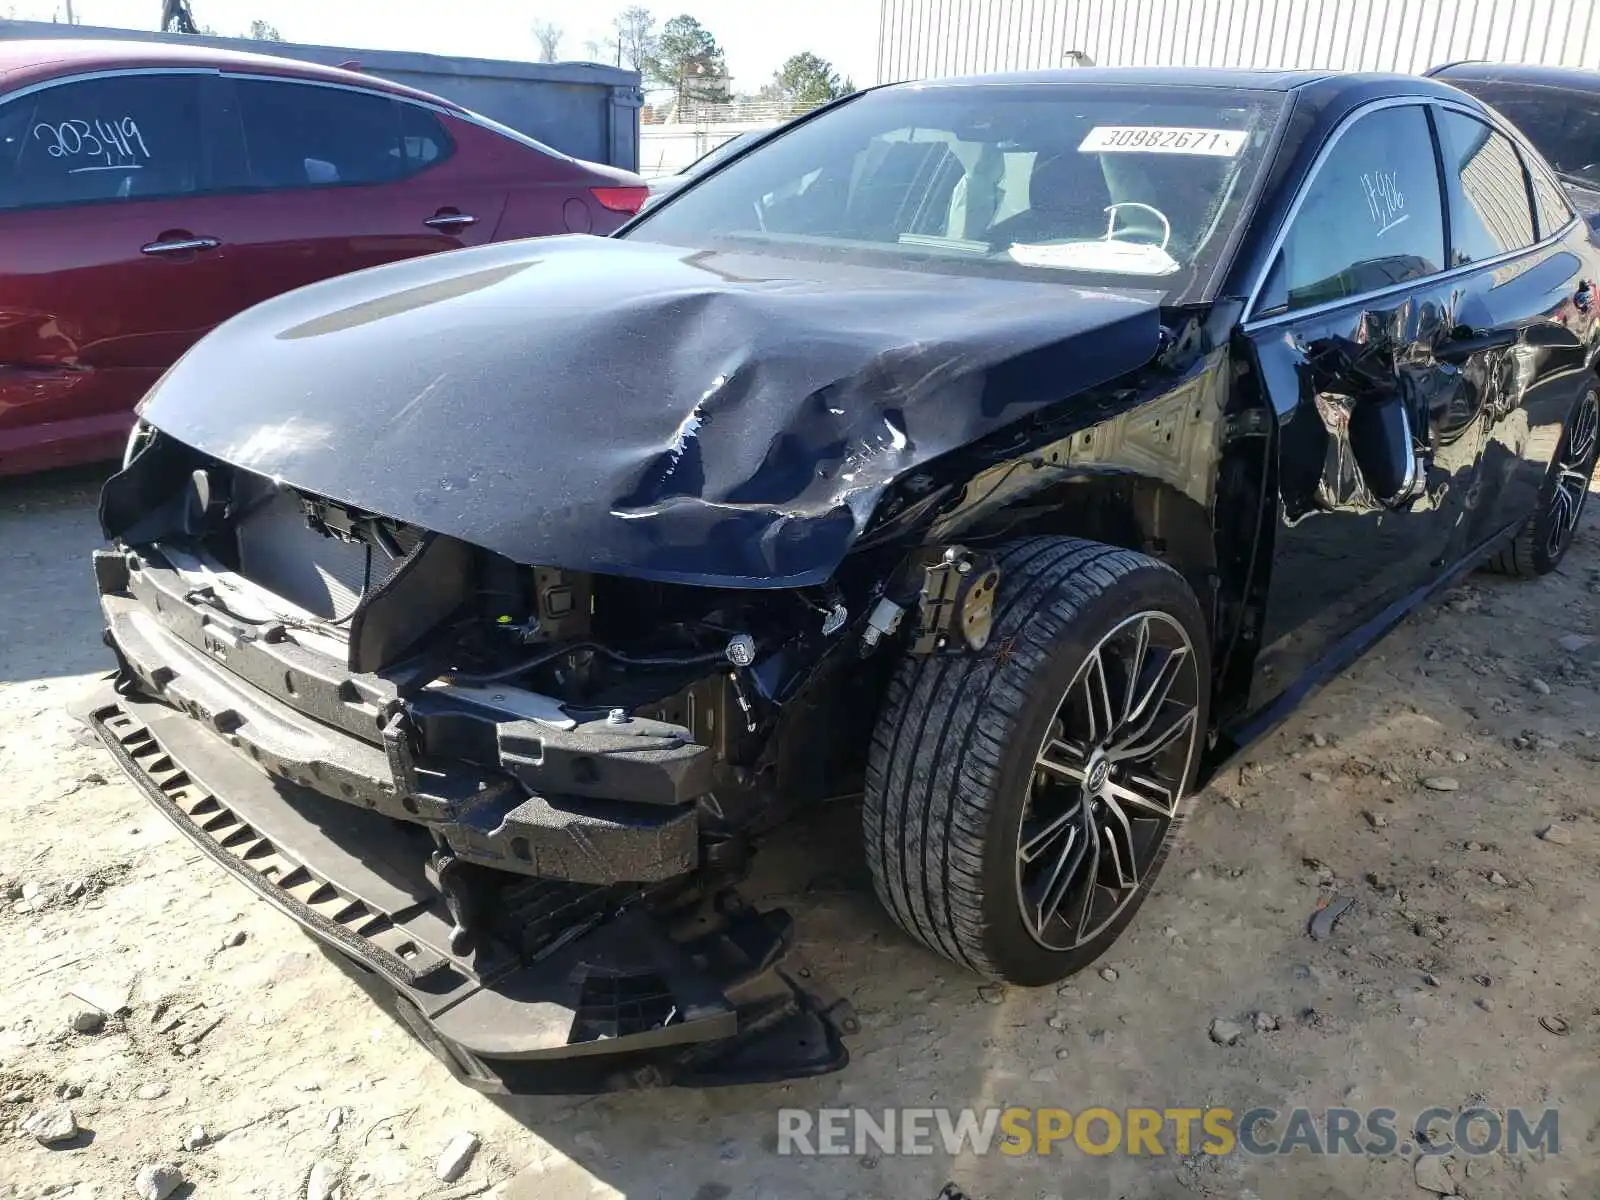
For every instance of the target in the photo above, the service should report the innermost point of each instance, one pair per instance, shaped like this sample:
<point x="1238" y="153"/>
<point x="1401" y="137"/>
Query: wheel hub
<point x="1108" y="780"/>
<point x="1098" y="773"/>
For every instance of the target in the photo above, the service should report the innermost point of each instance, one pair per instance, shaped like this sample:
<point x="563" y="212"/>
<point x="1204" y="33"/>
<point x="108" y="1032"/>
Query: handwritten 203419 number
<point x="98" y="145"/>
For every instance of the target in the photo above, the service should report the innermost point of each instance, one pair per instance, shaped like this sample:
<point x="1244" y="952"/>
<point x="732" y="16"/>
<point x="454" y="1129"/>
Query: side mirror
<point x="1380" y="439"/>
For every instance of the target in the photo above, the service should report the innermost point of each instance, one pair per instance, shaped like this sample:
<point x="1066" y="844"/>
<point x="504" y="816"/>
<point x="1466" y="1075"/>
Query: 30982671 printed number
<point x="1163" y="139"/>
<point x="98" y="145"/>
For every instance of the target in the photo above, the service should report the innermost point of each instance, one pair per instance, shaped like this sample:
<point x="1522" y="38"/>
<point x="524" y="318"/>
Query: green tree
<point x="688" y="60"/>
<point x="264" y="31"/>
<point x="807" y="80"/>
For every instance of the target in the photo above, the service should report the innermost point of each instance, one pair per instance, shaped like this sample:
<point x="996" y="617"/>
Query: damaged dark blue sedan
<point x="1003" y="450"/>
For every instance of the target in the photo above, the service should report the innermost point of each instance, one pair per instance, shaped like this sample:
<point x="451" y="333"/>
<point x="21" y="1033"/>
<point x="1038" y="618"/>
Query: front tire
<point x="1543" y="541"/>
<point x="1021" y="802"/>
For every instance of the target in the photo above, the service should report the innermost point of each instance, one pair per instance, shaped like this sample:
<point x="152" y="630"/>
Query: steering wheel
<point x="1158" y="235"/>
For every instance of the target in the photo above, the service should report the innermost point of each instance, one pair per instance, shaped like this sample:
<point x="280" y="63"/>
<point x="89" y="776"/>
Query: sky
<point x="755" y="37"/>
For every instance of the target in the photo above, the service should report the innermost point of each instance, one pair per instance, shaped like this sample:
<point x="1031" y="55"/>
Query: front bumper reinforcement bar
<point x="572" y="988"/>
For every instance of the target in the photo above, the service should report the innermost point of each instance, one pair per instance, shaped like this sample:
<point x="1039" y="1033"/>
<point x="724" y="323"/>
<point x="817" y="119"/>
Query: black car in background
<point x="1558" y="108"/>
<point x="1004" y="450"/>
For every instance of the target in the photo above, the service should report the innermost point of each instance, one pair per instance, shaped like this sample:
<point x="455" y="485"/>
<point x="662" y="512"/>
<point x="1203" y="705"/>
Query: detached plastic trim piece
<point x="233" y="844"/>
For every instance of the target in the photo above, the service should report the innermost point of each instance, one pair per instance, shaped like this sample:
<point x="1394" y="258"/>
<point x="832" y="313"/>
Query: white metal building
<point x="927" y="38"/>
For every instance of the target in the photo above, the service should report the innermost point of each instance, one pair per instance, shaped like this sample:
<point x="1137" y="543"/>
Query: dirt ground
<point x="1464" y="975"/>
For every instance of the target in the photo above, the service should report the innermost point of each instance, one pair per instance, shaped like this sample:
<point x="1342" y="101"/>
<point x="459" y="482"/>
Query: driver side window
<point x="1370" y="218"/>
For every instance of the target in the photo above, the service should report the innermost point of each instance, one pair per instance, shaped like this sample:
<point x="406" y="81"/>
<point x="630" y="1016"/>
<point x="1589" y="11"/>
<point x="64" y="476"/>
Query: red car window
<point x="129" y="137"/>
<point x="301" y="135"/>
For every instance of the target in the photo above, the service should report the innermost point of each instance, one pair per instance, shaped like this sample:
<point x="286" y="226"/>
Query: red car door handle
<point x="181" y="246"/>
<point x="450" y="221"/>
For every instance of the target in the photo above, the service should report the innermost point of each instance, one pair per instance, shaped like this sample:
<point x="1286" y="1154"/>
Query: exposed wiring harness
<point x="555" y="652"/>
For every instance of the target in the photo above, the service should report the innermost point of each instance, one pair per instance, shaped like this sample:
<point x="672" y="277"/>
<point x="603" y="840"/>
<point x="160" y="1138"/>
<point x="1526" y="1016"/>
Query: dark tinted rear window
<point x="300" y="135"/>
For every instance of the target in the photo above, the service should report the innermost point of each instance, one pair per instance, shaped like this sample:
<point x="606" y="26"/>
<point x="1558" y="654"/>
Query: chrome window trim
<point x="332" y="85"/>
<point x="442" y="109"/>
<point x="104" y="73"/>
<point x="1251" y="322"/>
<point x="435" y="107"/>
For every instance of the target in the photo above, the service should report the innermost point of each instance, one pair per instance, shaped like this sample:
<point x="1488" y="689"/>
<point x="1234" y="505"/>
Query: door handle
<point x="1463" y="344"/>
<point x="450" y="221"/>
<point x="181" y="246"/>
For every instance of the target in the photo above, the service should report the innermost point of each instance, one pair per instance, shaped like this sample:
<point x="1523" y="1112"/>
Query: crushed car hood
<point x="634" y="408"/>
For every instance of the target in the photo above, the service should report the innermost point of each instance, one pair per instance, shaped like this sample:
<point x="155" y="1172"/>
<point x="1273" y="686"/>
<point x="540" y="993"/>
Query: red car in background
<point x="148" y="192"/>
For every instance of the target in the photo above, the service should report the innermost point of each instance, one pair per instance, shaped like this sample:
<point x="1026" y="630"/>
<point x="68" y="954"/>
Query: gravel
<point x="323" y="1180"/>
<point x="1224" y="1032"/>
<point x="50" y="1126"/>
<point x="456" y="1157"/>
<point x="157" y="1181"/>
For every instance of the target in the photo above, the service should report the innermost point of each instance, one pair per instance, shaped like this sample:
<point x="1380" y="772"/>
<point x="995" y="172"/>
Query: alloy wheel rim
<point x="1108" y="781"/>
<point x="1573" y="471"/>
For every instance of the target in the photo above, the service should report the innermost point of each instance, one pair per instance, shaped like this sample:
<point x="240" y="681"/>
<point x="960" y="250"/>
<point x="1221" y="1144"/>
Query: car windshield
<point x="1563" y="123"/>
<point x="717" y="153"/>
<point x="1051" y="181"/>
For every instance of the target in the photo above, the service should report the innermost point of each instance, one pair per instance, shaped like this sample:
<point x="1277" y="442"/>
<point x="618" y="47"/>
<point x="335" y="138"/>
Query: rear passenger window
<point x="425" y="140"/>
<point x="1489" y="209"/>
<point x="301" y="136"/>
<point x="117" y="138"/>
<point x="1549" y="201"/>
<point x="1369" y="219"/>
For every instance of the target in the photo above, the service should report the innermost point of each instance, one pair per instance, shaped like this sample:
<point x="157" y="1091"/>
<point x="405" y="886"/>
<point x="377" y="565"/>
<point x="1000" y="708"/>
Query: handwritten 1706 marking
<point x="1385" y="200"/>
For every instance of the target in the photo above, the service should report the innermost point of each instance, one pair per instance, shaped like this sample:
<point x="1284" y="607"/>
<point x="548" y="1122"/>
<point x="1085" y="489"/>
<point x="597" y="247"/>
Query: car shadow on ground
<point x="48" y="530"/>
<point x="1331" y="805"/>
<point x="1390" y="1010"/>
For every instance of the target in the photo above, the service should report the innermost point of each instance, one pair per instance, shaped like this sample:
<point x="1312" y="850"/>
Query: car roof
<point x="1219" y="77"/>
<point x="1576" y="78"/>
<point x="1329" y="91"/>
<point x="29" y="61"/>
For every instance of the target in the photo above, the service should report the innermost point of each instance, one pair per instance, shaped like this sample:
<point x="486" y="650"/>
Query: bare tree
<point x="636" y="37"/>
<point x="548" y="34"/>
<point x="264" y="31"/>
<point x="176" y="17"/>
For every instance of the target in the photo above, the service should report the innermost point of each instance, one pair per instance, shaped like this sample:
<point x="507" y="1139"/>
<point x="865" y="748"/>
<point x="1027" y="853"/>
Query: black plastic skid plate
<point x="628" y="1002"/>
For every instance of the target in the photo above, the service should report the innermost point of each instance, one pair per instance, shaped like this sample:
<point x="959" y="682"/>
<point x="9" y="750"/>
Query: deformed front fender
<point x="1143" y="477"/>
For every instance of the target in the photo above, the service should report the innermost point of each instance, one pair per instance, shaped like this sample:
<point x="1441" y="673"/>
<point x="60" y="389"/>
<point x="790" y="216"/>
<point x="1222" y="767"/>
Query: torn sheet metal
<point x="614" y="406"/>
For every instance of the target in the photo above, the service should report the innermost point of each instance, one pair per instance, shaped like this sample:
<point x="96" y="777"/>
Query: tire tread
<point x="945" y="734"/>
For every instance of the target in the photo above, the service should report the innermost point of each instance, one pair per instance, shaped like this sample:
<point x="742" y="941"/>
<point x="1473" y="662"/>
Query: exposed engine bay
<point x="566" y="748"/>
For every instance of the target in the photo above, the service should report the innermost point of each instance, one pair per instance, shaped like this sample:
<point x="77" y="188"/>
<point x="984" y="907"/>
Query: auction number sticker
<point x="1163" y="139"/>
